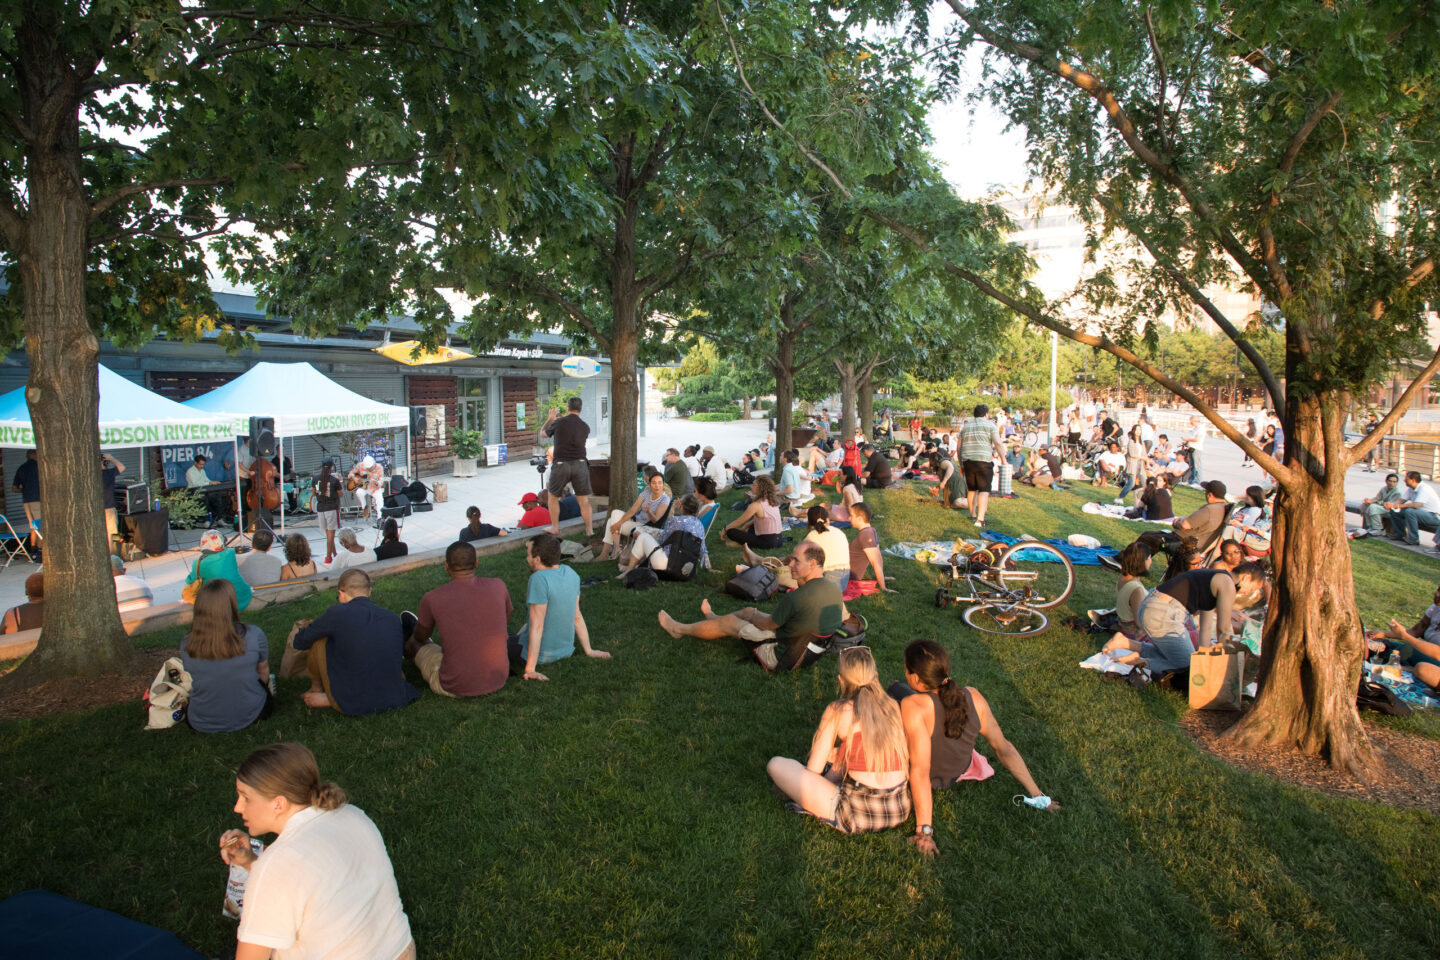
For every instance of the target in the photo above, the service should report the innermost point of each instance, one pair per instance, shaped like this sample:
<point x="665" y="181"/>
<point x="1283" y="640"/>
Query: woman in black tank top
<point x="942" y="720"/>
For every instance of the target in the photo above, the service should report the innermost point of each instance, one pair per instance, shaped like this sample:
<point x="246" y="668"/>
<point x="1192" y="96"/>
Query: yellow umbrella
<point x="402" y="353"/>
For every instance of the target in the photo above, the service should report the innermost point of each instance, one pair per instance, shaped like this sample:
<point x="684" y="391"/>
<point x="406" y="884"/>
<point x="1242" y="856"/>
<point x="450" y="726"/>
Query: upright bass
<point x="264" y="489"/>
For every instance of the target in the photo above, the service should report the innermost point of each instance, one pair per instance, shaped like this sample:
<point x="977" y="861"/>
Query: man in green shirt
<point x="677" y="475"/>
<point x="792" y="636"/>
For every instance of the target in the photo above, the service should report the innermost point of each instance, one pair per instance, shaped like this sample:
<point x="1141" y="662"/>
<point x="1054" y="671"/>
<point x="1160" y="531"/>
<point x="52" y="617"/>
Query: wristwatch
<point x="925" y="830"/>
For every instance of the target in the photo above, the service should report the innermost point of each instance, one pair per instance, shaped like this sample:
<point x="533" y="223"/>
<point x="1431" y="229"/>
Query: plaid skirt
<point x="861" y="809"/>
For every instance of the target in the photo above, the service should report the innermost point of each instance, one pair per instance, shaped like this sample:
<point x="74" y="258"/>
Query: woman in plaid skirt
<point x="855" y="779"/>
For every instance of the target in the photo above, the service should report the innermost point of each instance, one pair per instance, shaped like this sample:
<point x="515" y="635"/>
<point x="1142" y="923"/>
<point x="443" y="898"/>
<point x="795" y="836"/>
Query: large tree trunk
<point x="784" y="367"/>
<point x="848" y="384"/>
<point x="624" y="350"/>
<point x="1313" y="645"/>
<point x="867" y="403"/>
<point x="82" y="633"/>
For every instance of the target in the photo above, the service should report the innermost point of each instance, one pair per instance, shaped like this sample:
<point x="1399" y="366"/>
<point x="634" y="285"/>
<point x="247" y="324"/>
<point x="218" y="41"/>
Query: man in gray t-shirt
<point x="979" y="445"/>
<point x="1205" y="523"/>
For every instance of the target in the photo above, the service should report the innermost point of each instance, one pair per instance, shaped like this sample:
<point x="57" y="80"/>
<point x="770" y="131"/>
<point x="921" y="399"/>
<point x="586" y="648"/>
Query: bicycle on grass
<point x="1008" y="587"/>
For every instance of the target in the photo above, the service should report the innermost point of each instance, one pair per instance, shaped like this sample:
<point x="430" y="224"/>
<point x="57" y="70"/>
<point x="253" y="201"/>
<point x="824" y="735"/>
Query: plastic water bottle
<point x="1394" y="660"/>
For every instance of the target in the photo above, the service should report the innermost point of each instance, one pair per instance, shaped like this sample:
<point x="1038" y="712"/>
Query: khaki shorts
<point x="575" y="473"/>
<point x="329" y="520"/>
<point x="428" y="660"/>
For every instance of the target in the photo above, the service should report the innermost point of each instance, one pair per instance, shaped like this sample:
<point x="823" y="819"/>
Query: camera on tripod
<point x="539" y="463"/>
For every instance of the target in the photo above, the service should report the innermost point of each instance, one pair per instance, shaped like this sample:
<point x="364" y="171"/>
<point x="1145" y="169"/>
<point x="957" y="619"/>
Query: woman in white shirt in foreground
<point x="324" y="887"/>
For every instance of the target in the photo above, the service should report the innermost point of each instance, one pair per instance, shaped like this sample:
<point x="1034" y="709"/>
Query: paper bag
<point x="1216" y="678"/>
<point x="440" y="492"/>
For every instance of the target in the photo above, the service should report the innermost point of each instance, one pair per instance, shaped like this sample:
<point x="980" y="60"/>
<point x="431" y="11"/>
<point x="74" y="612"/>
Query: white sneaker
<point x="978" y="523"/>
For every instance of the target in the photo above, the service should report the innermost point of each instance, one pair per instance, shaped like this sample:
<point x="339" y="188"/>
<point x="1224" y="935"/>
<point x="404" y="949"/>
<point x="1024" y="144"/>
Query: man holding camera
<point x="570" y="467"/>
<point x="110" y="470"/>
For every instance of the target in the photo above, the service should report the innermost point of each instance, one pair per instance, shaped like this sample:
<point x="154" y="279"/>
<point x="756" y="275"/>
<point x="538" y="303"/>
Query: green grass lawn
<point x="623" y="808"/>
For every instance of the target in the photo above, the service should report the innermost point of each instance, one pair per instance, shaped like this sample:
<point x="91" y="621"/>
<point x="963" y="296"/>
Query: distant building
<point x="497" y="392"/>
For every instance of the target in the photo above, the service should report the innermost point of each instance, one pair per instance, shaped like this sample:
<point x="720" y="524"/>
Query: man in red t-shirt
<point x="471" y="614"/>
<point x="535" y="515"/>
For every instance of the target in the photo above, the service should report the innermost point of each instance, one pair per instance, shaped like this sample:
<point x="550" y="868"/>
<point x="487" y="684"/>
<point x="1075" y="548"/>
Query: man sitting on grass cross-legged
<point x="788" y="638"/>
<point x="351" y="653"/>
<point x="470" y="613"/>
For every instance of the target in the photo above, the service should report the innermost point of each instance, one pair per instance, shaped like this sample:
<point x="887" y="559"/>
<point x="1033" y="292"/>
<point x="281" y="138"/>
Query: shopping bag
<point x="168" y="696"/>
<point x="1216" y="678"/>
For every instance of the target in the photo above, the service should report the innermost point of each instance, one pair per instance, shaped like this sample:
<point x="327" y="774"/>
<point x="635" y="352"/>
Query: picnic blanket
<point x="40" y="925"/>
<point x="1414" y="693"/>
<point x="1081" y="556"/>
<point x="1117" y="512"/>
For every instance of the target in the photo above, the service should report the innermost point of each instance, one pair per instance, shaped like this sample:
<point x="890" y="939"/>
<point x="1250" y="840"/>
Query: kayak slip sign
<point x="579" y="367"/>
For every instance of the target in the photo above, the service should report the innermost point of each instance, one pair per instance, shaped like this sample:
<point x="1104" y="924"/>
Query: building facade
<point x="497" y="393"/>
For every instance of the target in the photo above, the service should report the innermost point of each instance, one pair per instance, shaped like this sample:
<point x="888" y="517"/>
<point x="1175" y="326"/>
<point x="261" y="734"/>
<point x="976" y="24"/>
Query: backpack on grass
<point x="682" y="550"/>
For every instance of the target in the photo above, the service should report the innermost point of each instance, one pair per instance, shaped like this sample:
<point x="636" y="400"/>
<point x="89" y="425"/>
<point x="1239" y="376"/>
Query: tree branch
<point x="1120" y="120"/>
<point x="1161" y="76"/>
<point x="1282" y="474"/>
<point x="1366" y="444"/>
<point x="542" y="291"/>
<point x="1268" y="252"/>
<point x="809" y="154"/>
<point x="131" y="189"/>
<point x="1421" y="270"/>
<point x="12" y="228"/>
<point x="1272" y="384"/>
<point x="175" y="237"/>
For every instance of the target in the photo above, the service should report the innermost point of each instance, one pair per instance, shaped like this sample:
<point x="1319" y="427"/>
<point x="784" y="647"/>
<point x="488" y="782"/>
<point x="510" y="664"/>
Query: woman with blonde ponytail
<point x="941" y="721"/>
<point x="855" y="779"/>
<point x="324" y="887"/>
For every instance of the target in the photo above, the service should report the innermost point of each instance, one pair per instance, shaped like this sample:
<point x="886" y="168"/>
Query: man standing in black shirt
<point x="570" y="467"/>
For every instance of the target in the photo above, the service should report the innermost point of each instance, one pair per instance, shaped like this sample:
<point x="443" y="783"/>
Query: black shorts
<point x="978" y="474"/>
<point x="575" y="473"/>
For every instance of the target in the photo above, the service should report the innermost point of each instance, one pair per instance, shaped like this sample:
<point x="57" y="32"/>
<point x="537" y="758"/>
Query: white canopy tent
<point x="303" y="402"/>
<point x="130" y="416"/>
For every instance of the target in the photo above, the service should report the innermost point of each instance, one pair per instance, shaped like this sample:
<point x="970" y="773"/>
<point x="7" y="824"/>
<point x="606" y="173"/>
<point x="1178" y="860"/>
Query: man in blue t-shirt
<point x="555" y="621"/>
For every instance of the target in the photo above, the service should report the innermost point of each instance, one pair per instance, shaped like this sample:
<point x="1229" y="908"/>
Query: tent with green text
<point x="130" y="416"/>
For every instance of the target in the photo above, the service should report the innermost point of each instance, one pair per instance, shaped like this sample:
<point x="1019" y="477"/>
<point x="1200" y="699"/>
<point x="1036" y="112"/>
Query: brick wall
<point x="520" y="390"/>
<point x="433" y="458"/>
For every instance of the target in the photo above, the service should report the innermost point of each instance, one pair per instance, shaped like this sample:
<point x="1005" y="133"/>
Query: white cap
<point x="368" y="462"/>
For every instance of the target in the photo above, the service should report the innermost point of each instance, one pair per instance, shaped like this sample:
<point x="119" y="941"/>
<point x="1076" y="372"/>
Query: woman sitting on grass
<point x="228" y="663"/>
<point x="651" y="548"/>
<point x="1131" y="590"/>
<point x="941" y="721"/>
<point x="1419" y="646"/>
<point x="759" y="526"/>
<point x="849" y="495"/>
<point x="1250" y="524"/>
<point x="855" y="779"/>
<point x="298" y="561"/>
<point x="649" y="510"/>
<point x="325" y="886"/>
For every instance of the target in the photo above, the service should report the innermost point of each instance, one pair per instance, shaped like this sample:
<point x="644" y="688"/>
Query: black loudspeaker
<point x="396" y="506"/>
<point x="132" y="498"/>
<point x="417" y="421"/>
<point x="262" y="438"/>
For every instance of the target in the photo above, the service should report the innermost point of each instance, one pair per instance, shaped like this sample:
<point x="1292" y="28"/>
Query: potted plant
<point x="466" y="446"/>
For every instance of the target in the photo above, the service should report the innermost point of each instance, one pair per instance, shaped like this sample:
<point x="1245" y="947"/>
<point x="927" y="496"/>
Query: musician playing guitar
<point x="367" y="478"/>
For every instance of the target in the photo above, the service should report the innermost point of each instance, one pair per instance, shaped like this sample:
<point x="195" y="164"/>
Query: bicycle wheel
<point x="1007" y="619"/>
<point x="1031" y="439"/>
<point x="1039" y="574"/>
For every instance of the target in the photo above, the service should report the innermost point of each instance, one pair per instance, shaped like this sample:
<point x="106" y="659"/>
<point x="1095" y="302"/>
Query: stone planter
<point x="463" y="467"/>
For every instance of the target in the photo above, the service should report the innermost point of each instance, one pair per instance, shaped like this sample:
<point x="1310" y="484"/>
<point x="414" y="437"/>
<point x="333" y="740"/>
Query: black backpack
<point x="683" y="555"/>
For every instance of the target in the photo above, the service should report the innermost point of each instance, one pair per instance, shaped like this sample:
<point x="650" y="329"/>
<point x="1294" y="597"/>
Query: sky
<point x="975" y="151"/>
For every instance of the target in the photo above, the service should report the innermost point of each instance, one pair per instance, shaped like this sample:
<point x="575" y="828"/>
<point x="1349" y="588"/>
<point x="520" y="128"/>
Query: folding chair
<point x="12" y="545"/>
